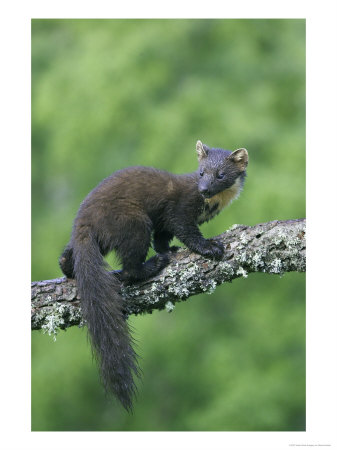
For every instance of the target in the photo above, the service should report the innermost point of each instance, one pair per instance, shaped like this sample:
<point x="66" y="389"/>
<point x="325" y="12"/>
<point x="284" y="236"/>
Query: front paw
<point x="213" y="249"/>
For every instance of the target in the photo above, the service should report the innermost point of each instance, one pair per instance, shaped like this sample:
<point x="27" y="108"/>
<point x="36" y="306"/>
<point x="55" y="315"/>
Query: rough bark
<point x="273" y="247"/>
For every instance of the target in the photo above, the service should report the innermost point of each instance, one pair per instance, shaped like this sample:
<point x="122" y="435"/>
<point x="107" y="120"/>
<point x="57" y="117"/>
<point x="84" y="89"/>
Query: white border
<point x="321" y="209"/>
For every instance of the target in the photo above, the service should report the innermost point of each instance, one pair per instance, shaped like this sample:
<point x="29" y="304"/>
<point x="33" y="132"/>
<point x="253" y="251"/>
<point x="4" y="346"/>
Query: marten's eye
<point x="220" y="175"/>
<point x="201" y="173"/>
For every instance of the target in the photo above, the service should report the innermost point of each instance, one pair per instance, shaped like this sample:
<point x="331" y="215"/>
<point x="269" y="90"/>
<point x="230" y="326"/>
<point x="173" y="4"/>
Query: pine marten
<point x="123" y="213"/>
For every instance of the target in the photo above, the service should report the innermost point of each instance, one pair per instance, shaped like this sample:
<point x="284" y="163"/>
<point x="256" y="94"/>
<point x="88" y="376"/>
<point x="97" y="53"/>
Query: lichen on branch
<point x="274" y="247"/>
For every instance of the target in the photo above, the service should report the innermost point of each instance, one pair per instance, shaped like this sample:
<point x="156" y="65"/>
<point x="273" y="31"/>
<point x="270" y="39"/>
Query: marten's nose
<point x="204" y="191"/>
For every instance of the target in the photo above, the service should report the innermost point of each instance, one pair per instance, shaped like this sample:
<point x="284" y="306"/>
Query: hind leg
<point x="161" y="242"/>
<point x="133" y="251"/>
<point x="66" y="262"/>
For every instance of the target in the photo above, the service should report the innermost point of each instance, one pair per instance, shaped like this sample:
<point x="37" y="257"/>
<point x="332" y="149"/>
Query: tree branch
<point x="273" y="247"/>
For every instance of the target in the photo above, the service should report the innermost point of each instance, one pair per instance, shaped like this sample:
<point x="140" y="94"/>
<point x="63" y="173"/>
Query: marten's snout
<point x="205" y="185"/>
<point x="204" y="191"/>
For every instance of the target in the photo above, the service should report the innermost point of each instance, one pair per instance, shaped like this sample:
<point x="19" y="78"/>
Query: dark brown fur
<point x="123" y="213"/>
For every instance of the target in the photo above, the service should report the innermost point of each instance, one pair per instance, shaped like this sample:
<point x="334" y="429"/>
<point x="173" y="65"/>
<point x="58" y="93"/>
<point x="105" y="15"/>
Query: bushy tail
<point x="108" y="330"/>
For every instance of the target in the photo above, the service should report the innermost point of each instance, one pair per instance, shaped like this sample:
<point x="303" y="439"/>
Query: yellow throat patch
<point x="213" y="205"/>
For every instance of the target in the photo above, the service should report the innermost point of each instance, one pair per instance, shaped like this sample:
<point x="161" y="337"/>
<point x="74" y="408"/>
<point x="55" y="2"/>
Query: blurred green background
<point x="107" y="94"/>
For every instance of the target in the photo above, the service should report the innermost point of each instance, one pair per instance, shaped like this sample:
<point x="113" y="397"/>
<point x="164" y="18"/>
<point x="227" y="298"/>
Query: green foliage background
<point x="107" y="94"/>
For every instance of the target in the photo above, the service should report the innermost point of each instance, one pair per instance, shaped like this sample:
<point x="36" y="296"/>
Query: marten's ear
<point x="240" y="157"/>
<point x="202" y="150"/>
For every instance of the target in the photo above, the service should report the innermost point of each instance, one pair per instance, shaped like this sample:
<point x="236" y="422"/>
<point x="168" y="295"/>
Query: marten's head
<point x="219" y="169"/>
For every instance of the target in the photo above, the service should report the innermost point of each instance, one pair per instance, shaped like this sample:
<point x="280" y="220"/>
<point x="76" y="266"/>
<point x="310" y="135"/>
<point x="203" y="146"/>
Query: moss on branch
<point x="274" y="247"/>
